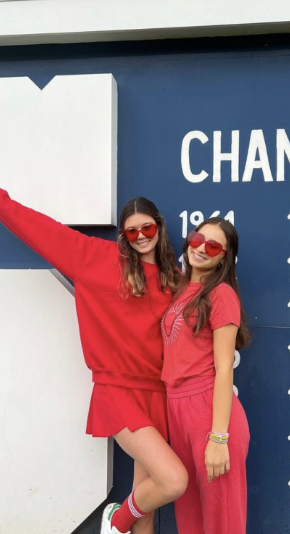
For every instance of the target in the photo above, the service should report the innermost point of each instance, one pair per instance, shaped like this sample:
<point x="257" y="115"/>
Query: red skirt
<point x="113" y="408"/>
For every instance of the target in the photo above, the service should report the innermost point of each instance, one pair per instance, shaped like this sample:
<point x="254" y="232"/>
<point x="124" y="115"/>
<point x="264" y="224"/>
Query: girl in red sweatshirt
<point x="207" y="424"/>
<point x="121" y="291"/>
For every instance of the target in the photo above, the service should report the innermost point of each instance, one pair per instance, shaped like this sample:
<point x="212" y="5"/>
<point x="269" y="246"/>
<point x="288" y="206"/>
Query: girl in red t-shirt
<point x="207" y="425"/>
<point x="122" y="290"/>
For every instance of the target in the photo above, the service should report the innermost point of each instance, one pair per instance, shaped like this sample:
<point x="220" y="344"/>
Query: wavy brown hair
<point x="133" y="277"/>
<point x="224" y="272"/>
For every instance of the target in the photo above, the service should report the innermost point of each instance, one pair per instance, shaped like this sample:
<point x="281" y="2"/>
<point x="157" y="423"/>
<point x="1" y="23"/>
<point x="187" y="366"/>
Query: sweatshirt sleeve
<point x="67" y="250"/>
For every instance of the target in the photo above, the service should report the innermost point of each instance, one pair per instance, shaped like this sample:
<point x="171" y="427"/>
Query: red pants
<point x="221" y="506"/>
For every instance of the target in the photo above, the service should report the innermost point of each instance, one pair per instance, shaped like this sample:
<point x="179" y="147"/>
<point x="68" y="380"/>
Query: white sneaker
<point x="106" y="527"/>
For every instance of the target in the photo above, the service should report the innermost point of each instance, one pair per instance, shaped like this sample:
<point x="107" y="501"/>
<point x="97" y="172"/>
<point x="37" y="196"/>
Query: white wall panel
<point x="38" y="21"/>
<point x="59" y="146"/>
<point x="52" y="474"/>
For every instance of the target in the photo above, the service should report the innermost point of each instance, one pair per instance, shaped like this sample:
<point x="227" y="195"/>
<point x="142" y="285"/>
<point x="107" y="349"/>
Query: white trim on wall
<point x="65" y="138"/>
<point x="65" y="21"/>
<point x="53" y="476"/>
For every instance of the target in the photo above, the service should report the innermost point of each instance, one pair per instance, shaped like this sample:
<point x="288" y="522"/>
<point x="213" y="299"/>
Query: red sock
<point x="129" y="512"/>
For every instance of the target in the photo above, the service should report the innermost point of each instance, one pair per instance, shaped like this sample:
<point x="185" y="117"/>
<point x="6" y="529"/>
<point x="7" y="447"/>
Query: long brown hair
<point x="133" y="278"/>
<point x="224" y="272"/>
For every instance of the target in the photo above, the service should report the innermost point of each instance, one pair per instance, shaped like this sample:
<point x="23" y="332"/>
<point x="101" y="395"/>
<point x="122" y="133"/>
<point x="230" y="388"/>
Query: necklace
<point x="152" y="303"/>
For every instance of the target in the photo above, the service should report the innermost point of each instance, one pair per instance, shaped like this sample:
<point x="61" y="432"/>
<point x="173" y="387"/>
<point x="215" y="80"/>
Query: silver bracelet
<point x="218" y="439"/>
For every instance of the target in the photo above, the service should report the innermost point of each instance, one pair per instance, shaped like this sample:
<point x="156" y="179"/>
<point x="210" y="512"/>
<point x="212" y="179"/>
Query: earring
<point x="220" y="265"/>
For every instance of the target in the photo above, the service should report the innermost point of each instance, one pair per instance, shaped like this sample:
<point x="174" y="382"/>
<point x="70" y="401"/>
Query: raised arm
<point x="67" y="250"/>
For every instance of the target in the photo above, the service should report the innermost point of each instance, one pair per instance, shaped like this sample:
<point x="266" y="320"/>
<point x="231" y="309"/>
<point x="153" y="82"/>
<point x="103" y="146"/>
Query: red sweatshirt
<point x="121" y="338"/>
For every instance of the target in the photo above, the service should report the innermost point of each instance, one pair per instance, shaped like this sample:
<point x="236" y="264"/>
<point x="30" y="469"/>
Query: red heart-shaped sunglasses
<point x="148" y="230"/>
<point x="212" y="248"/>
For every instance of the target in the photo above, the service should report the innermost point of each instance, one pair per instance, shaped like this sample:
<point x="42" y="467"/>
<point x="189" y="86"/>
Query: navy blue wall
<point x="166" y="90"/>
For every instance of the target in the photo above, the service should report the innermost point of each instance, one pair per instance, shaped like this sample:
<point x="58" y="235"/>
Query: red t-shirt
<point x="185" y="355"/>
<point x="121" y="338"/>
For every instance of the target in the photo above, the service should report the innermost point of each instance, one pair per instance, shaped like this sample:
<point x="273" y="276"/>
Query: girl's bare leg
<point x="167" y="479"/>
<point x="145" y="525"/>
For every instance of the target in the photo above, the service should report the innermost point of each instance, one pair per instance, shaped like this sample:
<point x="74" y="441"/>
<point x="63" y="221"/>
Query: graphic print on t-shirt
<point x="172" y="322"/>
